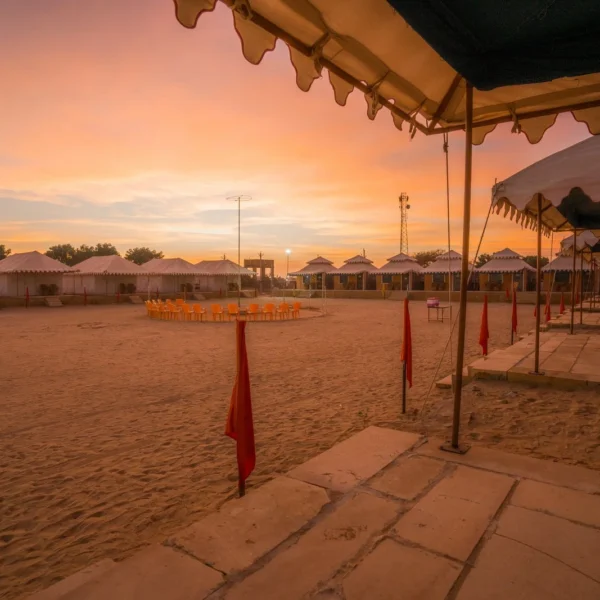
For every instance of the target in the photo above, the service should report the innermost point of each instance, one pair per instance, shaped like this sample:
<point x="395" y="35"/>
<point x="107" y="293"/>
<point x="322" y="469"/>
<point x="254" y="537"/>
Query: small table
<point x="440" y="312"/>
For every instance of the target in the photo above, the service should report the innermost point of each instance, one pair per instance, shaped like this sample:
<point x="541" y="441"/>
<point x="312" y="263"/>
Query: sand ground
<point x="111" y="434"/>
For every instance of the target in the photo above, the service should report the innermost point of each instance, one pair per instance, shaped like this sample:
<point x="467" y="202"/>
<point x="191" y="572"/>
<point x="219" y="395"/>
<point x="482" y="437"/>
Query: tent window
<point x="562" y="277"/>
<point x="387" y="278"/>
<point x="495" y="278"/>
<point x="438" y="277"/>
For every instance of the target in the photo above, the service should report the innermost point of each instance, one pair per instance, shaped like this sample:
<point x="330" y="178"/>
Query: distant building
<point x="443" y="274"/>
<point x="506" y="270"/>
<point x="401" y="272"/>
<point x="107" y="275"/>
<point x="357" y="273"/>
<point x="167" y="276"/>
<point x="31" y="271"/>
<point x="316" y="275"/>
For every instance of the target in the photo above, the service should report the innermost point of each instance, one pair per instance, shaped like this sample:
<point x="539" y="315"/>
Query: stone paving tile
<point x="355" y="459"/>
<point x="453" y="516"/>
<point x="319" y="553"/>
<point x="559" y="501"/>
<point x="545" y="471"/>
<point x="575" y="545"/>
<point x="394" y="571"/>
<point x="59" y="590"/>
<point x="156" y="573"/>
<point x="408" y="478"/>
<point x="508" y="570"/>
<point x="244" y="529"/>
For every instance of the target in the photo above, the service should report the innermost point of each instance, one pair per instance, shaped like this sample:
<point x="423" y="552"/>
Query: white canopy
<point x="315" y="266"/>
<point x="32" y="262"/>
<point x="355" y="265"/>
<point x="169" y="266"/>
<point x="447" y="262"/>
<point x="222" y="267"/>
<point x="366" y="44"/>
<point x="569" y="183"/>
<point x="108" y="265"/>
<point x="401" y="264"/>
<point x="565" y="263"/>
<point x="585" y="239"/>
<point x="505" y="261"/>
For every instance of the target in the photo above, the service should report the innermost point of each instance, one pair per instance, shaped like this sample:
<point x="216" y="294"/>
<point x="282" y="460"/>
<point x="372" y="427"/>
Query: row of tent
<point x="37" y="273"/>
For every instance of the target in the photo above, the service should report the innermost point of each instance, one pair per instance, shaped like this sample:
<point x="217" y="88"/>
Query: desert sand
<point x="111" y="434"/>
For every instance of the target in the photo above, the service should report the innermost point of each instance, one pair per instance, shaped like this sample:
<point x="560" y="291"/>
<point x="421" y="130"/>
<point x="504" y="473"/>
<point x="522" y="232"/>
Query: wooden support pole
<point x="538" y="286"/>
<point x="573" y="284"/>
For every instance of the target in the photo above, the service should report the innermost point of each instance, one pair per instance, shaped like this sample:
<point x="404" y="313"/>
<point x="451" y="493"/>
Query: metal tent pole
<point x="581" y="289"/>
<point x="462" y="317"/>
<point x="538" y="286"/>
<point x="573" y="283"/>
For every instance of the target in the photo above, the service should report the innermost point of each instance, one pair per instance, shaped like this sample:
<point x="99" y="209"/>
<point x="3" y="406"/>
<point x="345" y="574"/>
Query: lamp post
<point x="287" y="273"/>
<point x="239" y="199"/>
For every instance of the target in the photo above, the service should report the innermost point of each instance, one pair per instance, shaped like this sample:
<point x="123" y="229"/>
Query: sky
<point x="121" y="126"/>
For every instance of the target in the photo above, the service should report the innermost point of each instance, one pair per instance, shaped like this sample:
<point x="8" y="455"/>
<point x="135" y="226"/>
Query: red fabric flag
<point x="84" y="297"/>
<point x="27" y="297"/>
<point x="406" y="350"/>
<point x="484" y="332"/>
<point x="240" y="426"/>
<point x="561" y="308"/>
<point x="514" y="311"/>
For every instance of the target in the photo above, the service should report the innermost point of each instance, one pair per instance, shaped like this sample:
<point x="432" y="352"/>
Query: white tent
<point x="505" y="270"/>
<point x="358" y="268"/>
<point x="401" y="269"/>
<point x="215" y="275"/>
<point x="565" y="263"/>
<point x="444" y="265"/>
<point x="32" y="271"/>
<point x="107" y="275"/>
<point x="315" y="269"/>
<point x="167" y="276"/>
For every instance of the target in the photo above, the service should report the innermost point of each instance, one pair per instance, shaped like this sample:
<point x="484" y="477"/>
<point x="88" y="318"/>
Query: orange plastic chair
<point x="233" y="311"/>
<point x="174" y="312"/>
<point x="296" y="310"/>
<point x="217" y="312"/>
<point x="269" y="311"/>
<point x="163" y="312"/>
<point x="253" y="311"/>
<point x="186" y="312"/>
<point x="179" y="302"/>
<point x="283" y="310"/>
<point x="198" y="312"/>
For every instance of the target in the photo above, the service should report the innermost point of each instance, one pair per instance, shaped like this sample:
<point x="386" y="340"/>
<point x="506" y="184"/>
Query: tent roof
<point x="504" y="264"/>
<point x="32" y="262"/>
<point x="506" y="253"/>
<point x="355" y="265"/>
<point x="320" y="260"/>
<point x="358" y="259"/>
<point x="108" y="265"/>
<point x="585" y="238"/>
<point x="412" y="57"/>
<point x="402" y="258"/>
<point x="169" y="266"/>
<point x="565" y="263"/>
<point x="449" y="261"/>
<point x="569" y="182"/>
<point x="400" y="267"/>
<point x="221" y="267"/>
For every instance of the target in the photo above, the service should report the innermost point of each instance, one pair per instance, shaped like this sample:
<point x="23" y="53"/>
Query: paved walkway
<point x="591" y="320"/>
<point x="383" y="515"/>
<point x="568" y="361"/>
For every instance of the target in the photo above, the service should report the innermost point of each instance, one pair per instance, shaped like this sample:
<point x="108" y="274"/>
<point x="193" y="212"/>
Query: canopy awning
<point x="528" y="62"/>
<point x="569" y="183"/>
<point x="223" y="267"/>
<point x="565" y="263"/>
<point x="401" y="264"/>
<point x="505" y="261"/>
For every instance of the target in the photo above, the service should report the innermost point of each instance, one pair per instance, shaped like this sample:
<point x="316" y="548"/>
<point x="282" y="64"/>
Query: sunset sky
<point x="119" y="125"/>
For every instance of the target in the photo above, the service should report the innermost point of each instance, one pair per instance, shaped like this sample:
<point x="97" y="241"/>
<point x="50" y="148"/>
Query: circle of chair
<point x="179" y="310"/>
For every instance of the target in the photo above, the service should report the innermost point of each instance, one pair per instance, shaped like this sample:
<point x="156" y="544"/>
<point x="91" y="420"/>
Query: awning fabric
<point x="569" y="182"/>
<point x="401" y="264"/>
<point x="505" y="261"/>
<point x="32" y="262"/>
<point x="356" y="265"/>
<point x="565" y="263"/>
<point x="315" y="266"/>
<point x="376" y="47"/>
<point x="221" y="267"/>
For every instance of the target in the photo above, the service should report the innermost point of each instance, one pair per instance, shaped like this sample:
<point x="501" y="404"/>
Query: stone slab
<point x="394" y="571"/>
<point x="355" y="459"/>
<point x="320" y="552"/>
<point x="545" y="471"/>
<point x="156" y="573"/>
<point x="575" y="545"/>
<point x="408" y="478"/>
<point x="454" y="515"/>
<point x="561" y="502"/>
<point x="245" y="529"/>
<point x="59" y="590"/>
<point x="507" y="570"/>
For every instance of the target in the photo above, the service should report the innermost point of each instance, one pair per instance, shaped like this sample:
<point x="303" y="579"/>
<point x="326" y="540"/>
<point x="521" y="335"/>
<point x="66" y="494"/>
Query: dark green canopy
<point x="494" y="43"/>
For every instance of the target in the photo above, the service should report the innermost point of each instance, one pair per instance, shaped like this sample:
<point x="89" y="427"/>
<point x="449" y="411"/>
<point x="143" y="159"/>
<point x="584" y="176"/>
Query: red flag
<point x="27" y="297"/>
<point x="239" y="424"/>
<point x="84" y="297"/>
<point x="561" y="308"/>
<point x="406" y="350"/>
<point x="484" y="332"/>
<point x="514" y="311"/>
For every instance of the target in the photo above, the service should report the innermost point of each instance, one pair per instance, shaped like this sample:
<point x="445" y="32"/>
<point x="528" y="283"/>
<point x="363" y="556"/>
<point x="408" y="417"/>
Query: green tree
<point x="65" y="253"/>
<point x="427" y="256"/>
<point x="4" y="251"/>
<point x="482" y="259"/>
<point x="532" y="261"/>
<point x="105" y="250"/>
<point x="142" y="255"/>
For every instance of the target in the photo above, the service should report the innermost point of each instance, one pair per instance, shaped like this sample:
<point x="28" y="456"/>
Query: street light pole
<point x="239" y="200"/>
